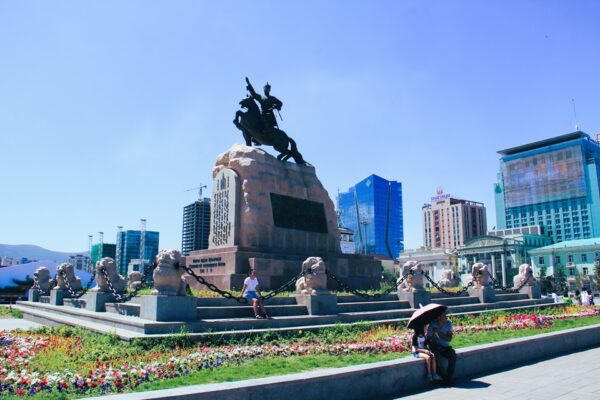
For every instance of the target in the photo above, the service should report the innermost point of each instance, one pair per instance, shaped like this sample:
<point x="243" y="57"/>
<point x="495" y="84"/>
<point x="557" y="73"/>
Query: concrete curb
<point x="382" y="379"/>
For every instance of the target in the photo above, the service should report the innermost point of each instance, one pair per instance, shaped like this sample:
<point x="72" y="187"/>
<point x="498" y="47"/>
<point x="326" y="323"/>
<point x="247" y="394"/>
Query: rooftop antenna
<point x="575" y="115"/>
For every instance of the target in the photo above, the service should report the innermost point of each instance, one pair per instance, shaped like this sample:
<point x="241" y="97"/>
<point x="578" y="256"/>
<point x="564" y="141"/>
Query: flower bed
<point x="17" y="377"/>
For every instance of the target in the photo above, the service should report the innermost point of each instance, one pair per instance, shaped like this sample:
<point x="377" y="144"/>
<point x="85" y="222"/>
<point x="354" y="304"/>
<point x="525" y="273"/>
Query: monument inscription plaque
<point x="224" y="204"/>
<point x="293" y="213"/>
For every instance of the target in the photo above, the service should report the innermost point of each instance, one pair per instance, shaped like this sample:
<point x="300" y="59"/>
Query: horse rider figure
<point x="267" y="103"/>
<point x="259" y="126"/>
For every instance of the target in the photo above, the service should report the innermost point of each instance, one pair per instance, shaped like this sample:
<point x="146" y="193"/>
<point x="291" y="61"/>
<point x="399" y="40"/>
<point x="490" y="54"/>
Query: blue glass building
<point x="373" y="210"/>
<point x="130" y="247"/>
<point x="553" y="183"/>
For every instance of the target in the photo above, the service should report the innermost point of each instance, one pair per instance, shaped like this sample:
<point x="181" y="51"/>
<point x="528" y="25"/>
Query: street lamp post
<point x="365" y="222"/>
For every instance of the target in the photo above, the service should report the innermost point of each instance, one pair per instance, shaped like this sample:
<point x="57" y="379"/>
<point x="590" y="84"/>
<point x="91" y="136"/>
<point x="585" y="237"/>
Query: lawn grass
<point x="10" y="312"/>
<point x="108" y="348"/>
<point x="260" y="368"/>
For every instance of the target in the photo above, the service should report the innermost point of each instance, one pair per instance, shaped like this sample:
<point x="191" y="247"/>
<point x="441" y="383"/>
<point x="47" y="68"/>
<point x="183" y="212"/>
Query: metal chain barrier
<point x="286" y="286"/>
<point x="36" y="286"/>
<point x="72" y="292"/>
<point x="223" y="293"/>
<point x="365" y="295"/>
<point x="498" y="285"/>
<point x="448" y="292"/>
<point x="121" y="298"/>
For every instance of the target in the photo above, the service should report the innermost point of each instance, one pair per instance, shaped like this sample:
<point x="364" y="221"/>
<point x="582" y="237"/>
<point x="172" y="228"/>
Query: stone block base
<point x="532" y="291"/>
<point x="57" y="296"/>
<point x="168" y="308"/>
<point x="416" y="299"/>
<point x="484" y="294"/>
<point x="95" y="301"/>
<point x="228" y="267"/>
<point x="33" y="295"/>
<point x="321" y="304"/>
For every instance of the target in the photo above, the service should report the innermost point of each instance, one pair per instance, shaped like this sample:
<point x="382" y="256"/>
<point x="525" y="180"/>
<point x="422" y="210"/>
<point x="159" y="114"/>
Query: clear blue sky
<point x="110" y="110"/>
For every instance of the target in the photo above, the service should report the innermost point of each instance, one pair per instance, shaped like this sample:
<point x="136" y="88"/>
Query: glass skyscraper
<point x="100" y="250"/>
<point x="553" y="183"/>
<point x="130" y="247"/>
<point x="373" y="210"/>
<point x="196" y="226"/>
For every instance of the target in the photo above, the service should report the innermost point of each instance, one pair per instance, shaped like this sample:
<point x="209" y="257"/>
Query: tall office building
<point x="129" y="243"/>
<point x="553" y="183"/>
<point x="449" y="222"/>
<point x="373" y="210"/>
<point x="100" y="250"/>
<point x="196" y="226"/>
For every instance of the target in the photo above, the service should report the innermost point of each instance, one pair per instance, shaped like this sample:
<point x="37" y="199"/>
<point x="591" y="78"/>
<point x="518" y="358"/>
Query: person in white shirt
<point x="251" y="292"/>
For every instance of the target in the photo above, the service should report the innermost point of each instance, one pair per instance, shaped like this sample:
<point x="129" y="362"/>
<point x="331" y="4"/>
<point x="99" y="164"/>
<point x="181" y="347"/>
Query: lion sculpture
<point x="69" y="278"/>
<point x="412" y="272"/>
<point x="525" y="276"/>
<point x="118" y="283"/>
<point x="134" y="279"/>
<point x="42" y="274"/>
<point x="168" y="274"/>
<point x="449" y="279"/>
<point x="480" y="274"/>
<point x="314" y="281"/>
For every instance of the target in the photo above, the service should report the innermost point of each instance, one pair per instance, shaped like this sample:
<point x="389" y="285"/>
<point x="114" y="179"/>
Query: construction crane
<point x="199" y="189"/>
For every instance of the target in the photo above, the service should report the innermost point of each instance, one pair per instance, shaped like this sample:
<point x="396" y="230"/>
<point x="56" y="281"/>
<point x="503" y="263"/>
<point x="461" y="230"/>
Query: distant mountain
<point x="32" y="252"/>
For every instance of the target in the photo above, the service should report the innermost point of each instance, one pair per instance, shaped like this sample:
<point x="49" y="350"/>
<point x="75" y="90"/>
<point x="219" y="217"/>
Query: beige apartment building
<point x="448" y="222"/>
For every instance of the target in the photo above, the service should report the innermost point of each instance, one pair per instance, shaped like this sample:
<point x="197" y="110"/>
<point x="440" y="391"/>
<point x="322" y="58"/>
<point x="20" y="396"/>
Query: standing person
<point x="251" y="292"/>
<point x="585" y="299"/>
<point x="590" y="297"/>
<point x="420" y="350"/>
<point x="577" y="298"/>
<point x="440" y="334"/>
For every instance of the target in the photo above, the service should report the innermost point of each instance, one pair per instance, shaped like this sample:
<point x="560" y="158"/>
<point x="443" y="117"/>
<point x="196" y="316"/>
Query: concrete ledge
<point x="382" y="379"/>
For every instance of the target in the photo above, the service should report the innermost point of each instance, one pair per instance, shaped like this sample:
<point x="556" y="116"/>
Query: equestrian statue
<point x="259" y="125"/>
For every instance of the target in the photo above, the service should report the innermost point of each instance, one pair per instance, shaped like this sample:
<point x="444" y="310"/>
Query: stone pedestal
<point x="94" y="301"/>
<point x="271" y="215"/>
<point x="485" y="294"/>
<point x="321" y="304"/>
<point x="533" y="291"/>
<point x="57" y="296"/>
<point x="415" y="298"/>
<point x="168" y="308"/>
<point x="33" y="295"/>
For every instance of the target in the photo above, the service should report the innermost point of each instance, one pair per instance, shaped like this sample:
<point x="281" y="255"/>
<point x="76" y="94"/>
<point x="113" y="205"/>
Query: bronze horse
<point x="251" y="124"/>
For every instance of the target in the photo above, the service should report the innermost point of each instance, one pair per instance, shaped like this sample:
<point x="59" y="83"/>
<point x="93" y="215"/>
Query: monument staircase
<point x="222" y="315"/>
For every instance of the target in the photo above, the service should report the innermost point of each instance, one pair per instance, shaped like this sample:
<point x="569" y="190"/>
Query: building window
<point x="541" y="260"/>
<point x="585" y="271"/>
<point x="556" y="259"/>
<point x="584" y="258"/>
<point x="570" y="258"/>
<point x="571" y="271"/>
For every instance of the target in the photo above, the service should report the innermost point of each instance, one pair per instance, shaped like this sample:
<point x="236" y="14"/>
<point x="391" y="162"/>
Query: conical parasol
<point x="426" y="315"/>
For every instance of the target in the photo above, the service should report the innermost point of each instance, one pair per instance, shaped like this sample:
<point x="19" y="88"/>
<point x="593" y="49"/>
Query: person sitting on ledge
<point x="251" y="292"/>
<point x="420" y="350"/>
<point x="440" y="334"/>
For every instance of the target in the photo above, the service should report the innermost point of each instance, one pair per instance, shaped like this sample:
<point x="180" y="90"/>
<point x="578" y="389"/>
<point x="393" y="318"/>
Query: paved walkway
<point x="10" y="324"/>
<point x="572" y="377"/>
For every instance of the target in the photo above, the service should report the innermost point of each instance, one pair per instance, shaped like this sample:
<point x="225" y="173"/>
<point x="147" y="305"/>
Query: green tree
<point x="597" y="275"/>
<point x="560" y="278"/>
<point x="545" y="281"/>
